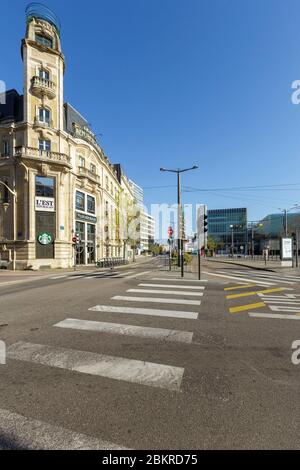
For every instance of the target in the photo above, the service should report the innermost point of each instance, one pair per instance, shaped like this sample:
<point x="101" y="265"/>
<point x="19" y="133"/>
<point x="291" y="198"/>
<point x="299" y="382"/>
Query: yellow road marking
<point x="242" y="308"/>
<point x="246" y="294"/>
<point x="240" y="287"/>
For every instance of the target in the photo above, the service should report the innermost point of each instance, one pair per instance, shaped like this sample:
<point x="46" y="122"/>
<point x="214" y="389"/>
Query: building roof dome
<point x="42" y="12"/>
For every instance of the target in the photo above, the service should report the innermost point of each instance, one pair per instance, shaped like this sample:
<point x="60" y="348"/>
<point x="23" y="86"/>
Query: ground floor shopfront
<point x="37" y="232"/>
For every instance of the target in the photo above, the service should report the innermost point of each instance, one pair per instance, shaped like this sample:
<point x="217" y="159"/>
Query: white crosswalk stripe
<point x="177" y="279"/>
<point x="166" y="292"/>
<point x="27" y="433"/>
<point x="172" y="286"/>
<point x="118" y="368"/>
<point x="240" y="278"/>
<point x="284" y="308"/>
<point x="271" y="275"/>
<point x="277" y="316"/>
<point x="127" y="330"/>
<point x="59" y="277"/>
<point x="156" y="300"/>
<point x="145" y="311"/>
<point x="257" y="277"/>
<point x="136" y="275"/>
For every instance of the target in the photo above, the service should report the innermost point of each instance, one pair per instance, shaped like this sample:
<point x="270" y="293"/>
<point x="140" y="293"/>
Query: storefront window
<point x="91" y="204"/>
<point x="90" y="232"/>
<point x="80" y="201"/>
<point x="44" y="187"/>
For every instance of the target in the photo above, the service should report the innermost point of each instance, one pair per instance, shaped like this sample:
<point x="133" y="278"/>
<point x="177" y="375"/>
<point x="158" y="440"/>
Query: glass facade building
<point x="228" y="227"/>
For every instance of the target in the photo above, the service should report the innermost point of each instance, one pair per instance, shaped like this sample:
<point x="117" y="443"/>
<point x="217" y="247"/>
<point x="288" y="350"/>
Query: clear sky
<point x="177" y="82"/>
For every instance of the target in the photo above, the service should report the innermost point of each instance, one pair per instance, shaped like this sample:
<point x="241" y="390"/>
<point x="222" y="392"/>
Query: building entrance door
<point x="80" y="249"/>
<point x="91" y="243"/>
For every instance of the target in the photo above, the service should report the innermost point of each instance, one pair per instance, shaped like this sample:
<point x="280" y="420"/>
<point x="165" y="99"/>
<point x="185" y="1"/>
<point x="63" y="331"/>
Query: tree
<point x="211" y="243"/>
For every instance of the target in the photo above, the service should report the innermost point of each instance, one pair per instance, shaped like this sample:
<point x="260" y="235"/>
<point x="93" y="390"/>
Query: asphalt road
<point x="189" y="371"/>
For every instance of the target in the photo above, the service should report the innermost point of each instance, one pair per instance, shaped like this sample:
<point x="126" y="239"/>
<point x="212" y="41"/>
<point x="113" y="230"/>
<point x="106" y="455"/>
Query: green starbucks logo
<point x="44" y="238"/>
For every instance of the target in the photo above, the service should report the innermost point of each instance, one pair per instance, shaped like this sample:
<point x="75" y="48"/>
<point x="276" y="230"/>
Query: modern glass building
<point x="228" y="227"/>
<point x="272" y="226"/>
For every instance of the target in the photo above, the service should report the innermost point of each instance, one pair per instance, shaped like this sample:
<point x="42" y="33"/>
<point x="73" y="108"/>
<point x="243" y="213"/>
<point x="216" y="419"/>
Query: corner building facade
<point x="57" y="179"/>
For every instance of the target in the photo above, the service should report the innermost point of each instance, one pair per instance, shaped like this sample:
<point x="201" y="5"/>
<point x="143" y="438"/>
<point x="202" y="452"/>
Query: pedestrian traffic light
<point x="205" y="223"/>
<point x="76" y="239"/>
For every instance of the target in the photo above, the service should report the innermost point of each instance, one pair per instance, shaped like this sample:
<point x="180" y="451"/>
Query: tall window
<point x="6" y="149"/>
<point x="44" y="145"/>
<point x="43" y="40"/>
<point x="44" y="187"/>
<point x="44" y="115"/>
<point x="81" y="162"/>
<point x="90" y="204"/>
<point x="80" y="201"/>
<point x="44" y="74"/>
<point x="93" y="168"/>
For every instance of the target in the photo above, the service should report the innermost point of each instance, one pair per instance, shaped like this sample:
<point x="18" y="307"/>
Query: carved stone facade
<point x="50" y="159"/>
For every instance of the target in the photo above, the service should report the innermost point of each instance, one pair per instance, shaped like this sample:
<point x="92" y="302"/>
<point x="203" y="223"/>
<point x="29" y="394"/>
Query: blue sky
<point x="177" y="82"/>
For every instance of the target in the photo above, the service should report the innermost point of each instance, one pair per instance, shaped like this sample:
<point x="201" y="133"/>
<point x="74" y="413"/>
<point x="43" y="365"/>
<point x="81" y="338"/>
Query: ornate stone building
<point x="55" y="178"/>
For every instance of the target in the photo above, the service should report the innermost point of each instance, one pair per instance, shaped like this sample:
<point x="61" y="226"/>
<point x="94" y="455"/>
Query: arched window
<point x="43" y="40"/>
<point x="44" y="116"/>
<point x="43" y="73"/>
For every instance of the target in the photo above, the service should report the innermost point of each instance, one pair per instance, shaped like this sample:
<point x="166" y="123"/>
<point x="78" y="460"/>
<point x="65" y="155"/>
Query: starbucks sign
<point x="44" y="238"/>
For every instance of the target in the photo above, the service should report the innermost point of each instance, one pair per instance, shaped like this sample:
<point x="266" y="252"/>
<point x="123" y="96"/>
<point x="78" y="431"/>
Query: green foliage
<point x="211" y="243"/>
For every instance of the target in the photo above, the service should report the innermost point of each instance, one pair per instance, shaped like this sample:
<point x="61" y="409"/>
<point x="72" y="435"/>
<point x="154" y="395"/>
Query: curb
<point x="242" y="264"/>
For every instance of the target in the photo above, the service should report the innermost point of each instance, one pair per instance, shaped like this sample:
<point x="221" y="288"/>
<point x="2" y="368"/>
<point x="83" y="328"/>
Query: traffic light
<point x="76" y="239"/>
<point x="205" y="223"/>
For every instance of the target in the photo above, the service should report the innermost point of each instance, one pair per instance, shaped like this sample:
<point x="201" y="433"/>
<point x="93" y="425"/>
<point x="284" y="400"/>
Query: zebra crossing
<point x="138" y="371"/>
<point x="263" y="278"/>
<point x="33" y="433"/>
<point x="100" y="275"/>
<point x="283" y="303"/>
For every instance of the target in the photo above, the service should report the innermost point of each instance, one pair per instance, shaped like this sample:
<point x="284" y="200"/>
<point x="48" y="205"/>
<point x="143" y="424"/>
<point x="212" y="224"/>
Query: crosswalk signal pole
<point x="76" y="243"/>
<point x="179" y="241"/>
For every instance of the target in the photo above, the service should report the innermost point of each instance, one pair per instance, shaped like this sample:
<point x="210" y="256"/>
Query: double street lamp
<point x="285" y="217"/>
<point x="5" y="203"/>
<point x="180" y="242"/>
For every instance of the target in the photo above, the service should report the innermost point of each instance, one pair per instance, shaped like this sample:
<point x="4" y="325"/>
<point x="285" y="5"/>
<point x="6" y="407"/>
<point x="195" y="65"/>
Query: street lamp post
<point x="285" y="217"/>
<point x="232" y="242"/>
<point x="5" y="204"/>
<point x="253" y="226"/>
<point x="179" y="241"/>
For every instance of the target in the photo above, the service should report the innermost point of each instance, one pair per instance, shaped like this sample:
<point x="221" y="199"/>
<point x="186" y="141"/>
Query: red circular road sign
<point x="170" y="232"/>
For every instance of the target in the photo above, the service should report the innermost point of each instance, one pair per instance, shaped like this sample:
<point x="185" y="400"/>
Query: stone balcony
<point x="42" y="156"/>
<point x="42" y="86"/>
<point x="38" y="123"/>
<point x="85" y="173"/>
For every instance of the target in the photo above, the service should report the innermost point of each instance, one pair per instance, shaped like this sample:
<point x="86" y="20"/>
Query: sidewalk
<point x="22" y="275"/>
<point x="254" y="264"/>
